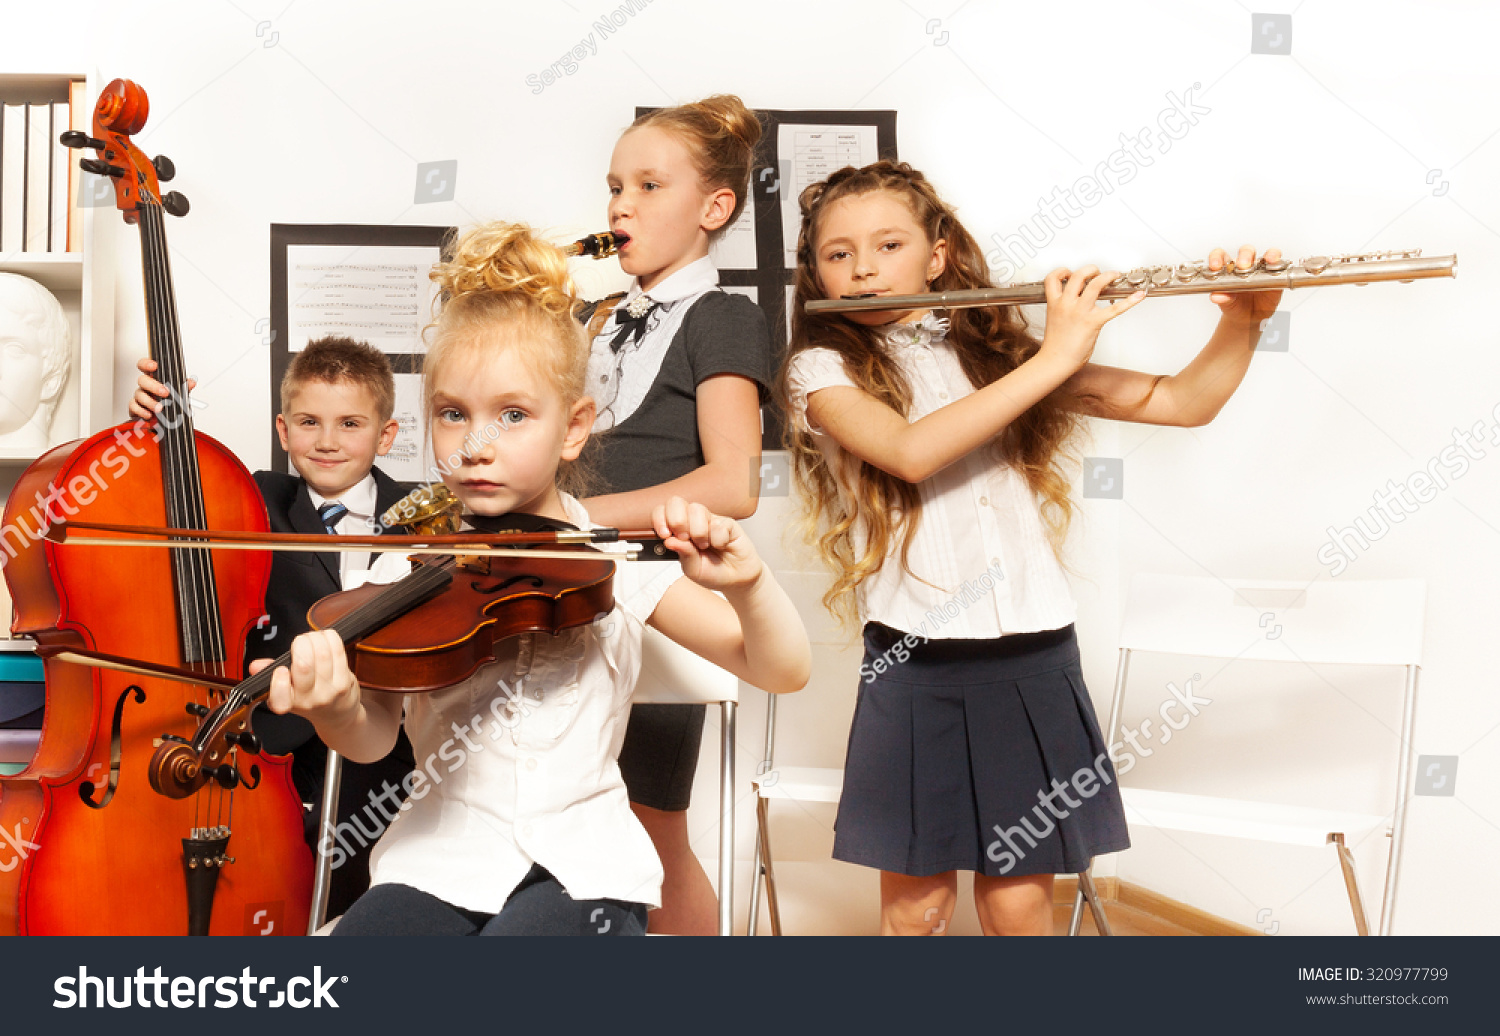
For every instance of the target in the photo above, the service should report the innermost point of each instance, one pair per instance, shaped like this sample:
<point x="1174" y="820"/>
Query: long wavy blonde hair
<point x="990" y="343"/>
<point x="505" y="287"/>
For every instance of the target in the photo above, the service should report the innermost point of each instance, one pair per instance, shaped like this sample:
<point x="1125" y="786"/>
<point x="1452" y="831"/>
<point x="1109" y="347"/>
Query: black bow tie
<point x="630" y="328"/>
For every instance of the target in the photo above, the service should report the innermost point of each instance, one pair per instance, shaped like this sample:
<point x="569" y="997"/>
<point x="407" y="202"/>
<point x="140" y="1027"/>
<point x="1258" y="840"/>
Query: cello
<point x="98" y="852"/>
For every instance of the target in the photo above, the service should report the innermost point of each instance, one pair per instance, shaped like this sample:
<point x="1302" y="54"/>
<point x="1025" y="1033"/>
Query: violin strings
<point x="398" y="598"/>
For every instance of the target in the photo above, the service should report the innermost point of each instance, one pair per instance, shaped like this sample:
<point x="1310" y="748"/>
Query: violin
<point x="430" y="630"/>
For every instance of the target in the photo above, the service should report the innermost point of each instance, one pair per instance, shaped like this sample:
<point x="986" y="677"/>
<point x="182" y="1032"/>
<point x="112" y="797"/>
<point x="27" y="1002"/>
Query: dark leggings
<point x="538" y="906"/>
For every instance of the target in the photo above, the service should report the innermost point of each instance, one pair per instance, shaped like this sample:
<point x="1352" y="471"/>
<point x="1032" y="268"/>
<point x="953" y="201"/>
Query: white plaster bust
<point x="35" y="354"/>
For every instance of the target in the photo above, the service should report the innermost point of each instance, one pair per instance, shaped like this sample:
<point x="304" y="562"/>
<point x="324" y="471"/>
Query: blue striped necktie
<point x="332" y="513"/>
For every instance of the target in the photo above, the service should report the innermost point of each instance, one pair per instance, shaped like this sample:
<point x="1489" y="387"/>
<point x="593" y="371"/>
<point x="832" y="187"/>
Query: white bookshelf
<point x="83" y="282"/>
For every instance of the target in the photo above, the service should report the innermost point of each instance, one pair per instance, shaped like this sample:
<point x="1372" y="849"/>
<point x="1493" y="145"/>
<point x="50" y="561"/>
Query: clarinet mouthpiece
<point x="596" y="246"/>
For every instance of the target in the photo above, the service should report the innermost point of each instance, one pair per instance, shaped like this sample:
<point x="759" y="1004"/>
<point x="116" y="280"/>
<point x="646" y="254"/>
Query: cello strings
<point x="150" y="252"/>
<point x="186" y="485"/>
<point x="209" y="639"/>
<point x="192" y="591"/>
<point x="167" y="368"/>
<point x="195" y="489"/>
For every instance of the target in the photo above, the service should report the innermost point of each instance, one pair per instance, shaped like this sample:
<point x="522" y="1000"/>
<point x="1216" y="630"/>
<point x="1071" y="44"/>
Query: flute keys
<point x="1138" y="277"/>
<point x="1188" y="271"/>
<point x="1276" y="267"/>
<point x="1161" y="276"/>
<point x="1317" y="264"/>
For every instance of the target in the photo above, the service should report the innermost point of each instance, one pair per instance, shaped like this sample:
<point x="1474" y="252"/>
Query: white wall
<point x="1326" y="150"/>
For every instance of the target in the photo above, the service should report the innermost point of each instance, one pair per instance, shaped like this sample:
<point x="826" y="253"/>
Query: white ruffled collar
<point x="930" y="330"/>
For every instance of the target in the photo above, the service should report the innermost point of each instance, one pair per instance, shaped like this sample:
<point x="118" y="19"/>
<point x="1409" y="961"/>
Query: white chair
<point x="1368" y="622"/>
<point x="670" y="675"/>
<point x="804" y="784"/>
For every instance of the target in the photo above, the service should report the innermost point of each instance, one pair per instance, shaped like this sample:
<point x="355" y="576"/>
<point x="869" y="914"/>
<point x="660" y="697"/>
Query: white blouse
<point x="519" y="765"/>
<point x="981" y="556"/>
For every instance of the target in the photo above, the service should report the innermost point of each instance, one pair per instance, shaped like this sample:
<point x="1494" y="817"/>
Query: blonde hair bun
<point x="507" y="258"/>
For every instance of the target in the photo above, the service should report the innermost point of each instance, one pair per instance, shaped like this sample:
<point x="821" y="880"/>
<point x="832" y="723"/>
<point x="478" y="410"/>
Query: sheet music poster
<point x="369" y="283"/>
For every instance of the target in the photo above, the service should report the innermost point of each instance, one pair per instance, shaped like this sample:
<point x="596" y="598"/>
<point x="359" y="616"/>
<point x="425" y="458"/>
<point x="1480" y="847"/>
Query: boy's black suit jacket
<point x="298" y="581"/>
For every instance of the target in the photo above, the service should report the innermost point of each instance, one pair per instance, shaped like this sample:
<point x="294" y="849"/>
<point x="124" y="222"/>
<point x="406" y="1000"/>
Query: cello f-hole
<point x="86" y="788"/>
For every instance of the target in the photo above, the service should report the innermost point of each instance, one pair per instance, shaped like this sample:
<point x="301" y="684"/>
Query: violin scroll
<point x="180" y="768"/>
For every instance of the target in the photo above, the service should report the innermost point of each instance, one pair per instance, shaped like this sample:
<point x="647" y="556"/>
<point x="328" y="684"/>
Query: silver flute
<point x="1192" y="278"/>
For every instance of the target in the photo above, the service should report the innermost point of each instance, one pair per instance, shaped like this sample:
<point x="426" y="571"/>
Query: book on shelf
<point x="80" y="117"/>
<point x="12" y="177"/>
<point x="62" y="158"/>
<point x="38" y="176"/>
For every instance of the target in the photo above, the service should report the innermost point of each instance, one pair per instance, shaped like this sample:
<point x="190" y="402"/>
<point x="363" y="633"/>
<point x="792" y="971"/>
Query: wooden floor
<point x="1133" y="910"/>
<point x="1124" y="919"/>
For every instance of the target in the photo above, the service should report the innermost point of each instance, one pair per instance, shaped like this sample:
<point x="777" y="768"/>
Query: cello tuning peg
<point x="165" y="170"/>
<point x="174" y="203"/>
<point x="98" y="168"/>
<point x="194" y="709"/>
<point x="78" y="138"/>
<point x="226" y="775"/>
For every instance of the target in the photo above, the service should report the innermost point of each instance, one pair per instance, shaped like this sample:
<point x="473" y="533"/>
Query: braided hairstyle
<point x="990" y="342"/>
<point x="505" y="287"/>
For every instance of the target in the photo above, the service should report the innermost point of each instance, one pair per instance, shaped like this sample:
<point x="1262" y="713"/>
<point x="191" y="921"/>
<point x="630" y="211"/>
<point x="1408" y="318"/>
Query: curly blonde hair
<point x="503" y="286"/>
<point x="720" y="134"/>
<point x="990" y="342"/>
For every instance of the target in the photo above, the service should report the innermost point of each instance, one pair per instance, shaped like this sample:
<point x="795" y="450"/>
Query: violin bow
<point x="641" y="544"/>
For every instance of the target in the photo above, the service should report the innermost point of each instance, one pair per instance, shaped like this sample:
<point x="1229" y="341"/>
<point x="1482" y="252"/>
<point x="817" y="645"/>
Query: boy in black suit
<point x="336" y="402"/>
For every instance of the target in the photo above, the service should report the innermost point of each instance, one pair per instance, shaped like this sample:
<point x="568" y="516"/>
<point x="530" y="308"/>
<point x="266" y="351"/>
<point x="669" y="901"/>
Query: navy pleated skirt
<point x="981" y="755"/>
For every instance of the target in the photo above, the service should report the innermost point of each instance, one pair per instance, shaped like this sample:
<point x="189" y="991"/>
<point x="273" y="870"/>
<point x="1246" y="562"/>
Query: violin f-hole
<point x="536" y="583"/>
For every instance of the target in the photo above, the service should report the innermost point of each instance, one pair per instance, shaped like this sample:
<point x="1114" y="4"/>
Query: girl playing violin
<point x="517" y="820"/>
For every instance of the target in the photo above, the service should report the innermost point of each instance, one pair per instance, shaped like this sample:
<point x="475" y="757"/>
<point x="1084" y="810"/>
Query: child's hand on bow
<point x="715" y="551"/>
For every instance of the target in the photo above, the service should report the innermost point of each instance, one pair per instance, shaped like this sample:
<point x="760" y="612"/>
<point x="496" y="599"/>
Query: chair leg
<point x="1088" y="893"/>
<point x="1346" y="863"/>
<point x="758" y="871"/>
<point x="763" y="823"/>
<point x="757" y="875"/>
<point x="1405" y="764"/>
<point x="726" y="818"/>
<point x="1096" y="905"/>
<point x="1075" y="923"/>
<point x="327" y="829"/>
